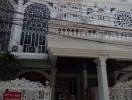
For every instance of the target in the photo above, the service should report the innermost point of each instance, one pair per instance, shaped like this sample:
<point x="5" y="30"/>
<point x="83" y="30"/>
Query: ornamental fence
<point x="24" y="90"/>
<point x="121" y="94"/>
<point x="121" y="91"/>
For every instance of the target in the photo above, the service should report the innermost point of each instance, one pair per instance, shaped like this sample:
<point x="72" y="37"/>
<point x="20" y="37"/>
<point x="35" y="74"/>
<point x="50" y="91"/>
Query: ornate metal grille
<point x="123" y="19"/>
<point x="6" y="18"/>
<point x="35" y="28"/>
<point x="121" y="91"/>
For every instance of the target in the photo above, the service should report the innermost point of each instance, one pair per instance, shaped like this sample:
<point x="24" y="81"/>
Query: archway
<point x="33" y="76"/>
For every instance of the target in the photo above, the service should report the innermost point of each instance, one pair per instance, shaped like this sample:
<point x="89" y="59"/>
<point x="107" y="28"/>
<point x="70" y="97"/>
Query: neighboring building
<point x="71" y="43"/>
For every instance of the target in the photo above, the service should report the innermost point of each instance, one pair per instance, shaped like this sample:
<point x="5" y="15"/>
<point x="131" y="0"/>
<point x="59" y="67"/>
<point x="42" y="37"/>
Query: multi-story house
<point x="78" y="45"/>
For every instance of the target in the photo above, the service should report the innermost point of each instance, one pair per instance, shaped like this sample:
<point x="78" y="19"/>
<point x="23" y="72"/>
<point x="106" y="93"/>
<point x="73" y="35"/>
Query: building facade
<point x="82" y="47"/>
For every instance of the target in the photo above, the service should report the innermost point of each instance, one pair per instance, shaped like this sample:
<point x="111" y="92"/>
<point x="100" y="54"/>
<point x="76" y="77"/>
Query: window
<point x="35" y="28"/>
<point x="89" y="10"/>
<point x="100" y="17"/>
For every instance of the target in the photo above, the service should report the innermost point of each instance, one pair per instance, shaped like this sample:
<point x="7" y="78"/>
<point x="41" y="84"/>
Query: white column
<point x="102" y="78"/>
<point x="53" y="81"/>
<point x="85" y="84"/>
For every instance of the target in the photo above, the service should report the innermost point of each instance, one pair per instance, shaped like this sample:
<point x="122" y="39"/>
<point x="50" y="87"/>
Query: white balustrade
<point x="96" y="34"/>
<point x="113" y="17"/>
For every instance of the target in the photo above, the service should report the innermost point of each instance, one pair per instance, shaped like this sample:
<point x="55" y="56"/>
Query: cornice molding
<point x="64" y="46"/>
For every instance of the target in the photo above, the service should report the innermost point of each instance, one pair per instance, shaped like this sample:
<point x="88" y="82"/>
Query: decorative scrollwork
<point x="30" y="90"/>
<point x="123" y="19"/>
<point x="23" y="83"/>
<point x="127" y="84"/>
<point x="121" y="91"/>
<point x="35" y="28"/>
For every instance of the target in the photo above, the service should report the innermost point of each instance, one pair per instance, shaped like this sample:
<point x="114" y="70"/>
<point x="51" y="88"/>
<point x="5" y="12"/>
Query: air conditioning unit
<point x="15" y="48"/>
<point x="31" y="49"/>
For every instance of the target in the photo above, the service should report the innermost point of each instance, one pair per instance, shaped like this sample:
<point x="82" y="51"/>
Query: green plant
<point x="8" y="65"/>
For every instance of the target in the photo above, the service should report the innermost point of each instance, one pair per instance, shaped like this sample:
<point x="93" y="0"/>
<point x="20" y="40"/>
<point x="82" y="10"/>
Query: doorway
<point x="67" y="87"/>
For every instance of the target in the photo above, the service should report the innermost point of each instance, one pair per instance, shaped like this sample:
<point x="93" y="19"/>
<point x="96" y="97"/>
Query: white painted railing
<point x="95" y="34"/>
<point x="96" y="16"/>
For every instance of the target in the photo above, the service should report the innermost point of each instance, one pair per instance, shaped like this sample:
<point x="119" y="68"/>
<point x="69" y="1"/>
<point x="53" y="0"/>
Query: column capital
<point x="20" y="2"/>
<point x="103" y="58"/>
<point x="101" y="61"/>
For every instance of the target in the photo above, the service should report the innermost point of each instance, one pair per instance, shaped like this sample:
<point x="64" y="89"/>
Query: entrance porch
<point x="80" y="78"/>
<point x="91" y="67"/>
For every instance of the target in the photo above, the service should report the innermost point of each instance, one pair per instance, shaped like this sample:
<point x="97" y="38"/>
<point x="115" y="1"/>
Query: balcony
<point x="111" y="16"/>
<point x="94" y="33"/>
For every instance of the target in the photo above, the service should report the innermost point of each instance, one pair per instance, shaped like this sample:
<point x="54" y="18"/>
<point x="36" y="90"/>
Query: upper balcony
<point x="111" y="15"/>
<point x="99" y="22"/>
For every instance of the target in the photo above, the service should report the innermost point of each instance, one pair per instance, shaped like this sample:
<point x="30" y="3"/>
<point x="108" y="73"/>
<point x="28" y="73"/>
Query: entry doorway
<point x="67" y="87"/>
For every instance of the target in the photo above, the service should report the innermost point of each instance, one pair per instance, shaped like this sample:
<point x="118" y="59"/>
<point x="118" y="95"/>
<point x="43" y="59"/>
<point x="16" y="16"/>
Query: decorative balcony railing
<point x="112" y="17"/>
<point x="96" y="34"/>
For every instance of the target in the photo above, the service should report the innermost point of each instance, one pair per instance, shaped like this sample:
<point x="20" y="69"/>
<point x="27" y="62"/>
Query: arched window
<point x="35" y="28"/>
<point x="6" y="18"/>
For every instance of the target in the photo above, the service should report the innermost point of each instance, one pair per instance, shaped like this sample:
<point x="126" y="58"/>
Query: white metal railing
<point x="92" y="18"/>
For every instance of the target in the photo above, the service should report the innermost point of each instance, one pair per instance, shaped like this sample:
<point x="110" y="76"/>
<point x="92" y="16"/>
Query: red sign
<point x="11" y="95"/>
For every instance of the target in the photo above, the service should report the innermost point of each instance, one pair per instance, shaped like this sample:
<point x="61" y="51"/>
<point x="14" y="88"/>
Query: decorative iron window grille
<point x="123" y="19"/>
<point x="35" y="28"/>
